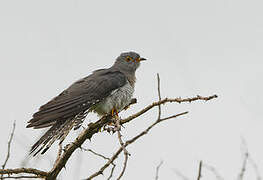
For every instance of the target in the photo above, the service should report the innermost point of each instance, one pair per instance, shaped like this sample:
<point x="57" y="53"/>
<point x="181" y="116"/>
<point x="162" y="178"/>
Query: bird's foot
<point x="115" y="113"/>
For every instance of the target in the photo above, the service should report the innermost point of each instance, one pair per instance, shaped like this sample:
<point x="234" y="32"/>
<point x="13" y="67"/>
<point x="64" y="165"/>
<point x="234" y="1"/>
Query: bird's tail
<point x="57" y="132"/>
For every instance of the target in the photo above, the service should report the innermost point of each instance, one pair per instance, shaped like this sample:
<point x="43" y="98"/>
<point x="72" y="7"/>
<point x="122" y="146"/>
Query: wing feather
<point x="79" y="97"/>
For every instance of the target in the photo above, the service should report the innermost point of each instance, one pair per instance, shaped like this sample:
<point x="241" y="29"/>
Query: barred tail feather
<point x="57" y="132"/>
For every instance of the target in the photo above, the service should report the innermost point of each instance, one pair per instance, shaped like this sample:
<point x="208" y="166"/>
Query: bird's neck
<point x="128" y="73"/>
<point x="131" y="78"/>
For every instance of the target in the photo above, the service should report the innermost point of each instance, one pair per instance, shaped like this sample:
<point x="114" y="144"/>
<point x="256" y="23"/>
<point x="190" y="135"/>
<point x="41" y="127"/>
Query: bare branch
<point x="245" y="160"/>
<point x="9" y="147"/>
<point x="128" y="142"/>
<point x="59" y="154"/>
<point x="37" y="172"/>
<point x="100" y="172"/>
<point x="159" y="95"/>
<point x="124" y="166"/>
<point x="180" y="175"/>
<point x="164" y="101"/>
<point x="199" y="171"/>
<point x="157" y="170"/>
<point x="104" y="157"/>
<point x="95" y="153"/>
<point x="255" y="167"/>
<point x="94" y="128"/>
<point x="214" y="171"/>
<point x="126" y="153"/>
<point x="22" y="177"/>
<point x="111" y="172"/>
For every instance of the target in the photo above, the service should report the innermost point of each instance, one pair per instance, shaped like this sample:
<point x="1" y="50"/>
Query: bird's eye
<point x="128" y="58"/>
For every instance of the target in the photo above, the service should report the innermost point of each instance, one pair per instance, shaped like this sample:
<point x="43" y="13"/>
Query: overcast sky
<point x="200" y="47"/>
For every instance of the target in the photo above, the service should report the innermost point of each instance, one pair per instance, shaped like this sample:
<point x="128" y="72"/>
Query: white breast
<point x="118" y="99"/>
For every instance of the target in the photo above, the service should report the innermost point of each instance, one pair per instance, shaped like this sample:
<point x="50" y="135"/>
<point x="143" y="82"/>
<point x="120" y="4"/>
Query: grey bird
<point x="105" y="91"/>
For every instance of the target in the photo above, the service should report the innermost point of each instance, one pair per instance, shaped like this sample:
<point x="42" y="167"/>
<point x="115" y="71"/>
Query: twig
<point x="243" y="169"/>
<point x="9" y="147"/>
<point x="95" y="153"/>
<point x="199" y="171"/>
<point x="164" y="101"/>
<point x="111" y="172"/>
<point x="104" y="157"/>
<point x="255" y="167"/>
<point x="24" y="170"/>
<point x="245" y="160"/>
<point x="124" y="165"/>
<point x="159" y="117"/>
<point x="159" y="95"/>
<point x="22" y="177"/>
<point x="116" y="154"/>
<point x="157" y="170"/>
<point x="126" y="153"/>
<point x="214" y="171"/>
<point x="179" y="174"/>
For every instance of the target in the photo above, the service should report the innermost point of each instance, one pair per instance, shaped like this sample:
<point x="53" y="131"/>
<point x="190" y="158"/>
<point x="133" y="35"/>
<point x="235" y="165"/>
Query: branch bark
<point x="200" y="170"/>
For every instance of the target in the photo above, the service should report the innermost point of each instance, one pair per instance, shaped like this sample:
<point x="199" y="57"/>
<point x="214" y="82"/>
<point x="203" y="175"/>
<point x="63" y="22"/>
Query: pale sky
<point x="200" y="47"/>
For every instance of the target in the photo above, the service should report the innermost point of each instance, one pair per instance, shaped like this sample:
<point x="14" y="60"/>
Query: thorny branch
<point x="94" y="128"/>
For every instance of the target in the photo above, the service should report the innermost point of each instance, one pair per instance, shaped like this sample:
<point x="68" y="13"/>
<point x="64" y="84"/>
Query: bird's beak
<point x="143" y="59"/>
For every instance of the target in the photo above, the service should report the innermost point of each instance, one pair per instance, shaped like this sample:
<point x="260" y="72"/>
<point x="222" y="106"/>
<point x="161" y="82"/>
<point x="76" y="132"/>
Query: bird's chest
<point x="118" y="99"/>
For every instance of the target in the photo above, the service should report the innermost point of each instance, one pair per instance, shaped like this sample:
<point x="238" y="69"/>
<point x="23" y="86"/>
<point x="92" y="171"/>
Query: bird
<point x="104" y="91"/>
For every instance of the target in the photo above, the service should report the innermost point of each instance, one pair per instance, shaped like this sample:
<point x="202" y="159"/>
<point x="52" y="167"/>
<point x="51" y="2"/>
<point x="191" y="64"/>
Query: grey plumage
<point x="100" y="92"/>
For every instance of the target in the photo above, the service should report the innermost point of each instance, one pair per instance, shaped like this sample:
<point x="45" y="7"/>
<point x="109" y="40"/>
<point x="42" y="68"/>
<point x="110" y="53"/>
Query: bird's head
<point x="129" y="61"/>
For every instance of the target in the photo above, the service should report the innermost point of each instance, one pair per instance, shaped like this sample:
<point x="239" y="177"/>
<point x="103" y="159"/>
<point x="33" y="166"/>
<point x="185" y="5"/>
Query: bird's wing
<point x="79" y="97"/>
